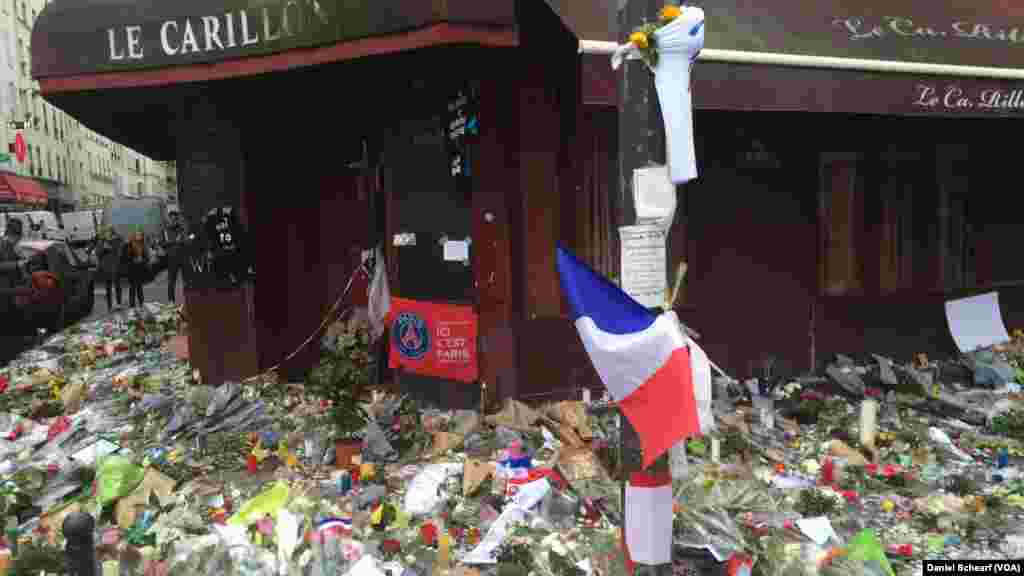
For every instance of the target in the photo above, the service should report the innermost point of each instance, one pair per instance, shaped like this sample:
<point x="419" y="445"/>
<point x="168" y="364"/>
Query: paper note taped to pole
<point x="976" y="322"/>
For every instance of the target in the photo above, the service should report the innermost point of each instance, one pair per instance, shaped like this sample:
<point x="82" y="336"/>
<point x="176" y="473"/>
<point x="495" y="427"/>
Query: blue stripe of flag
<point x="592" y="295"/>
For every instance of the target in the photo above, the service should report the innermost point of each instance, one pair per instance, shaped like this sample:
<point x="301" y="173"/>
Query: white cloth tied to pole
<point x="678" y="42"/>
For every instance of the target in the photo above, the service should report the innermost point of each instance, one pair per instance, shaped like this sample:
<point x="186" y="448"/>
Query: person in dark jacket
<point x="12" y="276"/>
<point x="136" y="266"/>
<point x="108" y="255"/>
<point x="174" y="243"/>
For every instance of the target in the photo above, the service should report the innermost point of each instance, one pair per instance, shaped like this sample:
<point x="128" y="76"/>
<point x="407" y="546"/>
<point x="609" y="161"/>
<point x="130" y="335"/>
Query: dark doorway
<point x="431" y="204"/>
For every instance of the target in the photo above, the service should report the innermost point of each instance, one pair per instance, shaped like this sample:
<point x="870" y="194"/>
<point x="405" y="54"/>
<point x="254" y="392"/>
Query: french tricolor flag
<point x="659" y="378"/>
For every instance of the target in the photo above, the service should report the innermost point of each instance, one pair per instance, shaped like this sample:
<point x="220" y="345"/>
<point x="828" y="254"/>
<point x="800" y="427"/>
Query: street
<point x="155" y="291"/>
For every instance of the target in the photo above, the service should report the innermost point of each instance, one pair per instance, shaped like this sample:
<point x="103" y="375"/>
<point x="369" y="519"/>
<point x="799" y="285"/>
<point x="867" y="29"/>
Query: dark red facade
<point x="800" y="232"/>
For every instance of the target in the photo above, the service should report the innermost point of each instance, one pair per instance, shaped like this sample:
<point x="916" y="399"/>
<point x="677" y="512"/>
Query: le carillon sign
<point x="89" y="36"/>
<point x="242" y="30"/>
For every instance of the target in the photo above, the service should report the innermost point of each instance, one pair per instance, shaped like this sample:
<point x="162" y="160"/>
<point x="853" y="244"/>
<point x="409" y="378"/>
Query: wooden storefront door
<point x="426" y="202"/>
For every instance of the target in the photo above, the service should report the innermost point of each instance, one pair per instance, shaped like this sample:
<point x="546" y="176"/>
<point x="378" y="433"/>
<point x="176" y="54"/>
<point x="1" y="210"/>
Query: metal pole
<point x="80" y="550"/>
<point x="641" y="143"/>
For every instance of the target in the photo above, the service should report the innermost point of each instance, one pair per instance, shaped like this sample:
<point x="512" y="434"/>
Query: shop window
<point x="887" y="225"/>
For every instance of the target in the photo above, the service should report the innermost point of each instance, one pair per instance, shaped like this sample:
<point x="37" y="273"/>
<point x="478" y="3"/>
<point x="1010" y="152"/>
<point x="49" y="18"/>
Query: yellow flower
<point x="639" y="39"/>
<point x="670" y="13"/>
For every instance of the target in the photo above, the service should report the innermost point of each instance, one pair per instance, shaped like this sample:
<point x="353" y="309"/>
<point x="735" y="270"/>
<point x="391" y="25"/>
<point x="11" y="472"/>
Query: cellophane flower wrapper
<point x="707" y="511"/>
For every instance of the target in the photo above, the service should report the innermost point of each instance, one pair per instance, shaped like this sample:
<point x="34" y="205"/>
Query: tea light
<point x="868" y="422"/>
<point x="367" y="471"/>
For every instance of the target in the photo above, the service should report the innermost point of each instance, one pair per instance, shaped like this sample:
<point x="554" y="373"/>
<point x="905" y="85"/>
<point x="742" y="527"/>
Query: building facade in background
<point x="78" y="167"/>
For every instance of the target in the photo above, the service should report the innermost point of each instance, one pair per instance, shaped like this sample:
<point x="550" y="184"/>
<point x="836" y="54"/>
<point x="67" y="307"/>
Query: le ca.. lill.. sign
<point x="250" y="29"/>
<point x="956" y="97"/>
<point x="859" y="28"/>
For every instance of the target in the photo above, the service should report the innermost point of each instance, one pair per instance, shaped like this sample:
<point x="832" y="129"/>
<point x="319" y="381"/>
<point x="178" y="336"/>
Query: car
<point x="75" y="276"/>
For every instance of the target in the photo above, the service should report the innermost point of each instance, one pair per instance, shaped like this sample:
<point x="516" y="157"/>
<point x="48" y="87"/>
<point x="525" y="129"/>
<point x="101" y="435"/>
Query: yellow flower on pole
<point x="639" y="39"/>
<point x="670" y="13"/>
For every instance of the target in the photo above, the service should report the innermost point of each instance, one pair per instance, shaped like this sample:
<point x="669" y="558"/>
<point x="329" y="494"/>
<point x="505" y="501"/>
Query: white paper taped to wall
<point x="976" y="322"/>
<point x="654" y="196"/>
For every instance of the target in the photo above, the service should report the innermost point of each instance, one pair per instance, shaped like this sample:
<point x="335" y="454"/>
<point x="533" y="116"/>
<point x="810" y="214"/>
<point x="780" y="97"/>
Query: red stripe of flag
<point x="663" y="410"/>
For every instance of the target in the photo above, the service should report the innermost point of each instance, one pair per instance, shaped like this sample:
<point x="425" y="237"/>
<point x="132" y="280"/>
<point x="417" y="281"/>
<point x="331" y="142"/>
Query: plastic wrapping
<point x="377" y="445"/>
<point x="222" y="398"/>
<point x="116" y="477"/>
<point x="678" y="462"/>
<point x="560" y="510"/>
<point x="424" y="495"/>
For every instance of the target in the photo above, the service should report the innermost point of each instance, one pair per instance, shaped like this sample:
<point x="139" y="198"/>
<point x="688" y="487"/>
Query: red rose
<point x="902" y="549"/>
<point x="871" y="468"/>
<point x="428" y="534"/>
<point x="391" y="547"/>
<point x="890" y="470"/>
<point x="4" y="383"/>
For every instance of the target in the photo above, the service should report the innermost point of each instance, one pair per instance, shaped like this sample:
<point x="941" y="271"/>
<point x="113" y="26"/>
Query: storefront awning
<point x="947" y="57"/>
<point x="22" y="190"/>
<point x="96" y="44"/>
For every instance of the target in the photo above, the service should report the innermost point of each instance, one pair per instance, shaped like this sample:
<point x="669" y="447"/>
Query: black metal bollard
<point x="80" y="550"/>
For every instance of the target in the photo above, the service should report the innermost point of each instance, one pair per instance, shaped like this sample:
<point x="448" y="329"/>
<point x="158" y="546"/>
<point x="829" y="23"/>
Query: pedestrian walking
<point x="136" y="263"/>
<point x="174" y="243"/>
<point x="109" y="247"/>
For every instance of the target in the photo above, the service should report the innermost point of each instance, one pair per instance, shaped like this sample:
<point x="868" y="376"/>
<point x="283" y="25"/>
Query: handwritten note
<point x="644" y="264"/>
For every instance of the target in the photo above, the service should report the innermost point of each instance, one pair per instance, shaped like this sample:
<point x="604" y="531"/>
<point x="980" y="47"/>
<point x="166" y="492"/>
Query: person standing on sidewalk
<point x="108" y="255"/>
<point x="12" y="275"/>
<point x="174" y="243"/>
<point x="136" y="264"/>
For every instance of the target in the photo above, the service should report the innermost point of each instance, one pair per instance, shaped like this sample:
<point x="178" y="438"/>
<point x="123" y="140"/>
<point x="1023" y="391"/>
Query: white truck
<point x="81" y="226"/>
